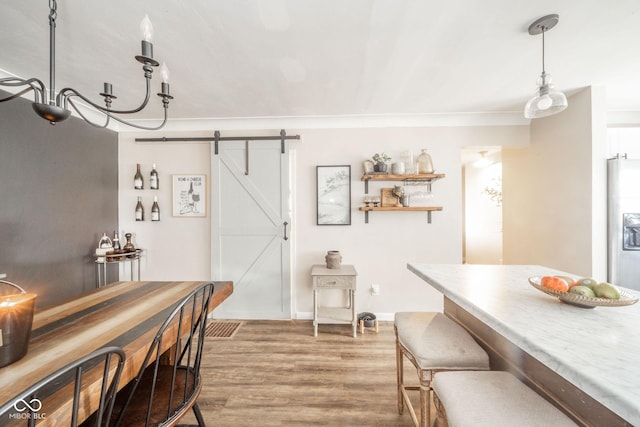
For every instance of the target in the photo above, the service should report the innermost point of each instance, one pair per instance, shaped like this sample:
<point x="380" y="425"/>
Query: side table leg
<point x="354" y="321"/>
<point x="315" y="312"/>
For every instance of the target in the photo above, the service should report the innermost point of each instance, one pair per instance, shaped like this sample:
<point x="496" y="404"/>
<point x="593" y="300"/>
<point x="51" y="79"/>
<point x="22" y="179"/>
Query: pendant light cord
<point x="543" y="28"/>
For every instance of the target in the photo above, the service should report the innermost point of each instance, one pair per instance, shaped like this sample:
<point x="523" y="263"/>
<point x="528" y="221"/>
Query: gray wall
<point x="58" y="193"/>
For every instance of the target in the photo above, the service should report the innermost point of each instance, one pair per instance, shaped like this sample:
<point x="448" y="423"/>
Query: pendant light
<point x="547" y="101"/>
<point x="483" y="161"/>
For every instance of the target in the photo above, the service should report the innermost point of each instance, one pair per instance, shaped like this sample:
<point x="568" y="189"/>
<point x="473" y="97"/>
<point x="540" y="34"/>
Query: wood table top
<point x="124" y="314"/>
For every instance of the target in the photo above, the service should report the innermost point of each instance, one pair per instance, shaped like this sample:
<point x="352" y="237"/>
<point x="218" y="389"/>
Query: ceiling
<point x="331" y="58"/>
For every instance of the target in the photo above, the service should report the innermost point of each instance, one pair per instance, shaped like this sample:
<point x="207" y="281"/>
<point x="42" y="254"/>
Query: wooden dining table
<point x="123" y="314"/>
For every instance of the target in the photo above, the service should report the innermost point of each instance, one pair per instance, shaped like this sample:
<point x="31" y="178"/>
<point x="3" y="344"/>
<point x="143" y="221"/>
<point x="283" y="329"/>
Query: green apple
<point x="585" y="291"/>
<point x="606" y="290"/>
<point x="587" y="281"/>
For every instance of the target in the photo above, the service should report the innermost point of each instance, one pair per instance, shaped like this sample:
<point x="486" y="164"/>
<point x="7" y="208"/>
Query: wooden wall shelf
<point x="403" y="177"/>
<point x="428" y="209"/>
<point x="417" y="178"/>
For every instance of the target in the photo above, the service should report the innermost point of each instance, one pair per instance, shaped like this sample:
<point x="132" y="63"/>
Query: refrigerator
<point x="623" y="222"/>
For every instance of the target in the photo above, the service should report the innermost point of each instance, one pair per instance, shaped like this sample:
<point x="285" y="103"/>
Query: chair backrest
<point x="183" y="334"/>
<point x="29" y="405"/>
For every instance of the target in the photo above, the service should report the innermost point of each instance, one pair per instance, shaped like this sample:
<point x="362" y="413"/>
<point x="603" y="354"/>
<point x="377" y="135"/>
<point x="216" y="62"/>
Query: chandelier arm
<point x="85" y="118"/>
<point x="19" y="94"/>
<point x="66" y="93"/>
<point x="124" y="122"/>
<point x="16" y="81"/>
<point x="118" y="119"/>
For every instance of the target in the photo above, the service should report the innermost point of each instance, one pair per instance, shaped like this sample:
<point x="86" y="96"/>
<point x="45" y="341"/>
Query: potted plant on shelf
<point x="380" y="162"/>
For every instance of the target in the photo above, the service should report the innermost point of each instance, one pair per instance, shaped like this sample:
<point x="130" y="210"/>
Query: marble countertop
<point x="597" y="350"/>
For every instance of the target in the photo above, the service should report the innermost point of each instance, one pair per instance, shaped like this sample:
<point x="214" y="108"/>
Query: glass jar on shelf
<point x="424" y="164"/>
<point x="406" y="157"/>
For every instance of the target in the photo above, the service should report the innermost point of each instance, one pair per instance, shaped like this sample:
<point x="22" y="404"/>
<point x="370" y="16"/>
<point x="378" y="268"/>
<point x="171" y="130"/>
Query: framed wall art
<point x="333" y="195"/>
<point x="189" y="195"/>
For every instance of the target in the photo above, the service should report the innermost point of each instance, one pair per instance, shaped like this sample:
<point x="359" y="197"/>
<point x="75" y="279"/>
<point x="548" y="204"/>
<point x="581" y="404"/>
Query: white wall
<point x="179" y="248"/>
<point x="625" y="140"/>
<point x="554" y="191"/>
<point x="175" y="248"/>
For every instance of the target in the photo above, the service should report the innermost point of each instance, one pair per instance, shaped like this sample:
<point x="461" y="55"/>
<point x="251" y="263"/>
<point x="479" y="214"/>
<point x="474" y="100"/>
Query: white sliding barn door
<point x="251" y="228"/>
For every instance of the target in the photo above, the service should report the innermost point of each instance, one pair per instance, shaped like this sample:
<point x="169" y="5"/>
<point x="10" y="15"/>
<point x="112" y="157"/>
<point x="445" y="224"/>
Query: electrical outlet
<point x="375" y="289"/>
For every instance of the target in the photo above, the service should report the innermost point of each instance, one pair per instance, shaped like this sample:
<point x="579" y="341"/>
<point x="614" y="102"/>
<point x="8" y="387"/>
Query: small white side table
<point x="343" y="278"/>
<point x="102" y="261"/>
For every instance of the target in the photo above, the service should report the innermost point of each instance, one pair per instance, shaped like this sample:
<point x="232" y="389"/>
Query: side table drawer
<point x="341" y="282"/>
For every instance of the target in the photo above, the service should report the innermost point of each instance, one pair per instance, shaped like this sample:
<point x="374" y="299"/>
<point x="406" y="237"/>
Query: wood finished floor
<point x="275" y="373"/>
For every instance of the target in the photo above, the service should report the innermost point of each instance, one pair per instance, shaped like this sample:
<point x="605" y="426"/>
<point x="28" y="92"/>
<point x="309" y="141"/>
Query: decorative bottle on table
<point x="138" y="181"/>
<point x="139" y="210"/>
<point x="117" y="251"/>
<point x="104" y="245"/>
<point x="116" y="243"/>
<point x="128" y="248"/>
<point x="155" y="210"/>
<point x="154" y="180"/>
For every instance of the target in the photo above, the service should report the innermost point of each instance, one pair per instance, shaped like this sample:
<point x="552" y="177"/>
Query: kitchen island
<point x="584" y="360"/>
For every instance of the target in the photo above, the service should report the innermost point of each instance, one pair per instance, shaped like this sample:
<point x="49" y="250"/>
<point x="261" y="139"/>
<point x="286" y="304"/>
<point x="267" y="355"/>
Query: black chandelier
<point x="55" y="108"/>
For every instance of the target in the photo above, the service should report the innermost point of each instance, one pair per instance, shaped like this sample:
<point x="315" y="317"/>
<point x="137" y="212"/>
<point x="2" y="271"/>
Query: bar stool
<point x="433" y="343"/>
<point x="494" y="398"/>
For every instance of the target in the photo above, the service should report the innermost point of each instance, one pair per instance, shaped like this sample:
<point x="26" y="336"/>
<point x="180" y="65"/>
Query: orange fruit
<point x="556" y="283"/>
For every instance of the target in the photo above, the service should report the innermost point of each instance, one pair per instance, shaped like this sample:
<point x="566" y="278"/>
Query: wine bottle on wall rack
<point x="154" y="180"/>
<point x="139" y="210"/>
<point x="155" y="210"/>
<point x="138" y="181"/>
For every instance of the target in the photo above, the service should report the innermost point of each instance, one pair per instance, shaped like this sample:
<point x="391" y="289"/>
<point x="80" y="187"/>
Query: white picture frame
<point x="333" y="195"/>
<point x="189" y="195"/>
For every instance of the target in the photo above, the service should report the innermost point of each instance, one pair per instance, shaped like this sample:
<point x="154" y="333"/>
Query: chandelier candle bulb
<point x="146" y="29"/>
<point x="164" y="73"/>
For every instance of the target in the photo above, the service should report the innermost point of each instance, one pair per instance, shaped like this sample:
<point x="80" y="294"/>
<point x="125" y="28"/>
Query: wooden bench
<point x="491" y="398"/>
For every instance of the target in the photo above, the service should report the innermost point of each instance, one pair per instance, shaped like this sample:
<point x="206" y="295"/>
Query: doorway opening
<point x="482" y="205"/>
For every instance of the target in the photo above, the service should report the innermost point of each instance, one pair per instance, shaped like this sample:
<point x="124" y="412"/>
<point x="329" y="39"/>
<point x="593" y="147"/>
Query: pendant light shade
<point x="547" y="100"/>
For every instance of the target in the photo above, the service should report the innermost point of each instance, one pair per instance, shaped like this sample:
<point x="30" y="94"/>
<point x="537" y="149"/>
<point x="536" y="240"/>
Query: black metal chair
<point x="163" y="392"/>
<point x="30" y="405"/>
